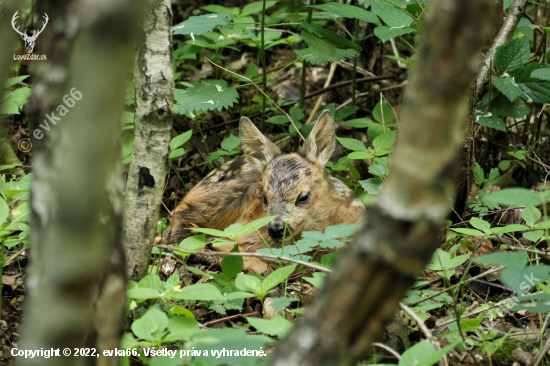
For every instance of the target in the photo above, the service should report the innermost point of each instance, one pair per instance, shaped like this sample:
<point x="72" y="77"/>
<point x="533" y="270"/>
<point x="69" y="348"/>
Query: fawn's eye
<point x="265" y="200"/>
<point x="303" y="199"/>
<point x="222" y="177"/>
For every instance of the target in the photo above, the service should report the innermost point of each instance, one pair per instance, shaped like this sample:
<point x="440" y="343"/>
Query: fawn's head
<point x="295" y="186"/>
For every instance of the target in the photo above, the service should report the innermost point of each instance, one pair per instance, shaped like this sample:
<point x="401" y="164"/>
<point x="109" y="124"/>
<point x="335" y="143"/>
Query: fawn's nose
<point x="276" y="229"/>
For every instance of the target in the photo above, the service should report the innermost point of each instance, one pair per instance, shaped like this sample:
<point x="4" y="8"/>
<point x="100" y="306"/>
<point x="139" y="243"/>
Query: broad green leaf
<point x="345" y="112"/>
<point x="480" y="224"/>
<point x="232" y="266"/>
<point x="218" y="9"/>
<point x="332" y="244"/>
<point x="193" y="243"/>
<point x="359" y="123"/>
<point x="391" y="15"/>
<point x="205" y="95"/>
<point x="212" y="232"/>
<point x="509" y="229"/>
<point x="278" y="120"/>
<point x="440" y="260"/>
<point x="352" y="144"/>
<point x="15" y="80"/>
<point x="508" y="259"/>
<point x="143" y="293"/>
<point x="417" y="353"/>
<point x="542" y="74"/>
<point x="246" y="282"/>
<point x="458" y="260"/>
<point x="325" y="46"/>
<point x="317" y="279"/>
<point x="340" y="231"/>
<point x="372" y="185"/>
<point x="472" y="232"/>
<point x="277" y="276"/>
<point x="513" y="197"/>
<point x="516" y="109"/>
<point x="256" y="225"/>
<point x="231" y="142"/>
<point x="276" y="327"/>
<point x="543" y="225"/>
<point x="181" y="328"/>
<point x="384" y="141"/>
<point x="150" y="281"/>
<point x="523" y="279"/>
<point x="360" y="155"/>
<point x="512" y="55"/>
<point x="531" y="215"/>
<point x="180" y="139"/>
<point x="202" y="24"/>
<point x="216" y="155"/>
<point x="490" y="120"/>
<point x="252" y="70"/>
<point x="202" y="292"/>
<point x="279" y="303"/>
<point x="508" y="87"/>
<point x="534" y="236"/>
<point x="332" y="37"/>
<point x="296" y="114"/>
<point x="387" y="33"/>
<point x="4" y="210"/>
<point x="383" y="113"/>
<point x="349" y="11"/>
<point x="151" y="325"/>
<point x="256" y="7"/>
<point x="538" y="91"/>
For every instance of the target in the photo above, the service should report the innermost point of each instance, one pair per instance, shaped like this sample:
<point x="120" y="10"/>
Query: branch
<point x="257" y="255"/>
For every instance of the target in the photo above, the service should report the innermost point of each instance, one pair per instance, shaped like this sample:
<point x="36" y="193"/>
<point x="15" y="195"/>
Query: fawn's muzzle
<point x="276" y="229"/>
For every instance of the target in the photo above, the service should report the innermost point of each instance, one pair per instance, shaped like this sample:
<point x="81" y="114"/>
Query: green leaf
<point x="387" y="33"/>
<point x="181" y="328"/>
<point x="542" y="73"/>
<point x="296" y="114"/>
<point x="534" y="236"/>
<point x="212" y="232"/>
<point x="180" y="139"/>
<point x="360" y="155"/>
<point x="317" y="279"/>
<point x="519" y="279"/>
<point x="512" y="55"/>
<point x="277" y="276"/>
<point x="340" y="231"/>
<point x="221" y="9"/>
<point x="246" y="282"/>
<point x="325" y="46"/>
<point x="509" y="229"/>
<point x="359" y="123"/>
<point x="256" y="225"/>
<point x="151" y="325"/>
<point x="372" y="185"/>
<point x="543" y="225"/>
<point x="232" y="266"/>
<point x="384" y="141"/>
<point x="202" y="24"/>
<point x="278" y="120"/>
<point x="391" y="15"/>
<point x="480" y="224"/>
<point x="472" y="232"/>
<point x="531" y="215"/>
<point x="516" y="109"/>
<point x="193" y="243"/>
<point x="508" y="87"/>
<point x="490" y="120"/>
<point x="231" y="142"/>
<point x="513" y="197"/>
<point x="15" y="80"/>
<point x="383" y="113"/>
<point x="205" y="95"/>
<point x="345" y="112"/>
<point x="216" y="155"/>
<point x="143" y="293"/>
<point x="538" y="91"/>
<point x="508" y="259"/>
<point x="4" y="211"/>
<point x="279" y="303"/>
<point x="256" y="7"/>
<point x="276" y="327"/>
<point x="417" y="353"/>
<point x="352" y="144"/>
<point x="458" y="260"/>
<point x="202" y="292"/>
<point x="349" y="11"/>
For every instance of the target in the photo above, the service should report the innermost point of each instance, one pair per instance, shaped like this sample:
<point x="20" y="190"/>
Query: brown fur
<point x="235" y="192"/>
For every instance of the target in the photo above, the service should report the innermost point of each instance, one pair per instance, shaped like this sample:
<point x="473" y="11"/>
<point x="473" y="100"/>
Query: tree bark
<point x="403" y="229"/>
<point x="75" y="283"/>
<point x="464" y="179"/>
<point x="154" y="85"/>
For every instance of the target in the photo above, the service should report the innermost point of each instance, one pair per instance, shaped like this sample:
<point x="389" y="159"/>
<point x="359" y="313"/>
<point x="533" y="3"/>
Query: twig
<point x="320" y="99"/>
<point x="456" y="285"/>
<point x="389" y="349"/>
<point x="257" y="255"/>
<point x="348" y="82"/>
<point x="260" y="89"/>
<point x="539" y="163"/>
<point x="226" y="318"/>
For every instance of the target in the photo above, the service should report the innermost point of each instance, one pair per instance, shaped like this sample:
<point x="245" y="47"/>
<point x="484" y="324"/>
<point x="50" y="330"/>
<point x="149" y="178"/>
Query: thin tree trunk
<point x="75" y="282"/>
<point x="154" y="85"/>
<point x="403" y="229"/>
<point x="466" y="159"/>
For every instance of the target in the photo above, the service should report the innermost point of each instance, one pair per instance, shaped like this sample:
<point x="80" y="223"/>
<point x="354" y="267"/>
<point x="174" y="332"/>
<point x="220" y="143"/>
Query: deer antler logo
<point x="29" y="40"/>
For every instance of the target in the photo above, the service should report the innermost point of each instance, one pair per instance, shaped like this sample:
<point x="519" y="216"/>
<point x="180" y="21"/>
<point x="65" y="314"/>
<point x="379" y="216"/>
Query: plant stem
<point x="304" y="64"/>
<point x="354" y="72"/>
<point x="264" y="67"/>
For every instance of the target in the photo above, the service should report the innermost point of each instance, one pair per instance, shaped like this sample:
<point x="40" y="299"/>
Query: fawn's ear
<point x="258" y="149"/>
<point x="321" y="141"/>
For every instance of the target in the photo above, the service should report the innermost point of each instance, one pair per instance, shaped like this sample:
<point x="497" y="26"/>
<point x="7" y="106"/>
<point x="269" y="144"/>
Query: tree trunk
<point x="75" y="283"/>
<point x="403" y="229"/>
<point x="466" y="158"/>
<point x="154" y="85"/>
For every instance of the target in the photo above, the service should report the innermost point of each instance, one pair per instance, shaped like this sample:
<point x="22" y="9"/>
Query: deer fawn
<point x="266" y="182"/>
